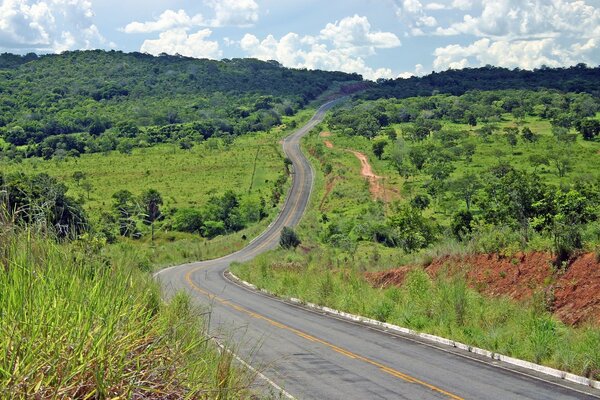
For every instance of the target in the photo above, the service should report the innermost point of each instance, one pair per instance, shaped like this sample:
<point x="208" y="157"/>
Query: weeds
<point x="73" y="328"/>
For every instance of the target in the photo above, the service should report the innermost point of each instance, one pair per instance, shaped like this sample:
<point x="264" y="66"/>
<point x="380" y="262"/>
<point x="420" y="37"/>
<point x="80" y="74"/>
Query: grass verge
<point x="74" y="325"/>
<point x="443" y="306"/>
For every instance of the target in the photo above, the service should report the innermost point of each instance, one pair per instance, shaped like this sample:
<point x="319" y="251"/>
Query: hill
<point x="579" y="78"/>
<point x="92" y="91"/>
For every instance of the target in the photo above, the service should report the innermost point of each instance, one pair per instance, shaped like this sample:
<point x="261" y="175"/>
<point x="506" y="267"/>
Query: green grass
<point x="185" y="178"/>
<point x="443" y="306"/>
<point x="75" y="325"/>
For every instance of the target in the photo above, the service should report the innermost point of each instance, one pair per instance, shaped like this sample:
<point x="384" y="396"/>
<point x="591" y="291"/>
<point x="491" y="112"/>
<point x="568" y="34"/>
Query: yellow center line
<point x="304" y="335"/>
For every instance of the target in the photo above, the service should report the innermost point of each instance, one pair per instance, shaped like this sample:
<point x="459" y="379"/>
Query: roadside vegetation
<point x="77" y="325"/>
<point x="499" y="174"/>
<point x="111" y="166"/>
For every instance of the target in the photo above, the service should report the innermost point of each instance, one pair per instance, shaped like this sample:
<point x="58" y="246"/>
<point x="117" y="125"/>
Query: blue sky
<point x="378" y="39"/>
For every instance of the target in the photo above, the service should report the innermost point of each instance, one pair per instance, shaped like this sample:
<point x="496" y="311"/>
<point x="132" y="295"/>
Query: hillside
<point x="92" y="91"/>
<point x="579" y="78"/>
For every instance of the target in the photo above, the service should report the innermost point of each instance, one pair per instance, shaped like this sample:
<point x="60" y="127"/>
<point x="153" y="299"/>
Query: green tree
<point x="528" y="135"/>
<point x="78" y="176"/>
<point x="466" y="187"/>
<point x="562" y="214"/>
<point x="151" y="201"/>
<point x="126" y="209"/>
<point x="379" y="147"/>
<point x="88" y="187"/>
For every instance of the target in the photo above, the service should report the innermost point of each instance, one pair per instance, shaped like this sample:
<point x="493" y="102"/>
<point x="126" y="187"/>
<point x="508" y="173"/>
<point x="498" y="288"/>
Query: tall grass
<point x="74" y="325"/>
<point x="443" y="306"/>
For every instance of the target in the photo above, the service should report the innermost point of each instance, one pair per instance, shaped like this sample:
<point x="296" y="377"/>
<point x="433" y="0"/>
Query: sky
<point x="375" y="38"/>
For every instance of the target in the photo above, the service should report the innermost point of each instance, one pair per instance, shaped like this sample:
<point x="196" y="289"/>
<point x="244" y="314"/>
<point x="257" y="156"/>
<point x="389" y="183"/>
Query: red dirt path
<point x="574" y="294"/>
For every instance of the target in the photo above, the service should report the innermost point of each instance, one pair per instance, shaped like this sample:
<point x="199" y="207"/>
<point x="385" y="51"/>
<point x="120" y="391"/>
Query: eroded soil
<point x="573" y="293"/>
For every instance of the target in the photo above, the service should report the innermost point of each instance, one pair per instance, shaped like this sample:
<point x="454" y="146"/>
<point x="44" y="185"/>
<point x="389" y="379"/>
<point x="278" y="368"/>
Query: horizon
<point x="385" y="39"/>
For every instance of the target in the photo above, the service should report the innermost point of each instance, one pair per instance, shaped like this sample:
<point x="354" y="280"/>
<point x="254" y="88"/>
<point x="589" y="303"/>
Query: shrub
<point x="289" y="239"/>
<point x="187" y="220"/>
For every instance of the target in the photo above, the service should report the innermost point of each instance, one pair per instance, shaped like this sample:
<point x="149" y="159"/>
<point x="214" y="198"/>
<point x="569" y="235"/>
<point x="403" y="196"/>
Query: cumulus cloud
<point x="527" y="54"/>
<point x="167" y="20"/>
<point x="241" y="13"/>
<point x="234" y="12"/>
<point x="51" y="25"/>
<point x="354" y="33"/>
<point x="340" y="46"/>
<point x="533" y="18"/>
<point x="178" y="41"/>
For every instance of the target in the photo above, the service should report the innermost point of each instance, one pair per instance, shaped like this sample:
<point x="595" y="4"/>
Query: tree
<point x="399" y="159"/>
<point x="466" y="186"/>
<point x="125" y="208"/>
<point x="511" y="135"/>
<point x="379" y="147"/>
<point x="409" y="230"/>
<point x="562" y="214"/>
<point x="472" y="120"/>
<point x="508" y="198"/>
<point x="41" y="201"/>
<point x="528" y="135"/>
<point x="151" y="200"/>
<point x="589" y="128"/>
<point x="88" y="187"/>
<point x="78" y="176"/>
<point x="462" y="224"/>
<point x="420" y="201"/>
<point x="418" y="155"/>
<point x="289" y="239"/>
<point x="560" y="157"/>
<point x="188" y="220"/>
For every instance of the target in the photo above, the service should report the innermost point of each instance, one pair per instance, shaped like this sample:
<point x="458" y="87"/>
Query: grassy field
<point x="186" y="178"/>
<point x="75" y="325"/>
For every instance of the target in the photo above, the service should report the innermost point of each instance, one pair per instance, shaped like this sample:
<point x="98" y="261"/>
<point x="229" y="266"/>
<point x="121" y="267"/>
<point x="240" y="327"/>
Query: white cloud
<point x="526" y="54"/>
<point x="167" y="20"/>
<point x="340" y="46"/>
<point x="419" y="71"/>
<point x="178" y="41"/>
<point x="462" y="4"/>
<point x="51" y="25"/>
<point x="234" y="12"/>
<point x="527" y="19"/>
<point x="354" y="33"/>
<point x="435" y="6"/>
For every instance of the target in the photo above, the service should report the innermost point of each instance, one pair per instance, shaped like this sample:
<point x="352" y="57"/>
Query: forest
<point x="97" y="101"/>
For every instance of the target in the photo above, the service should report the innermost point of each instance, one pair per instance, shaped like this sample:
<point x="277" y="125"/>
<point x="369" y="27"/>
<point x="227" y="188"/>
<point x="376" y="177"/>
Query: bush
<point x="461" y="224"/>
<point x="187" y="220"/>
<point x="289" y="239"/>
<point x="420" y="201"/>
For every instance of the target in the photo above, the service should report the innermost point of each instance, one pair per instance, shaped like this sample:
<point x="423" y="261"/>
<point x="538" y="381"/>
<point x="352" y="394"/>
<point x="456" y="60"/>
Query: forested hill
<point x="579" y="78"/>
<point x="92" y="91"/>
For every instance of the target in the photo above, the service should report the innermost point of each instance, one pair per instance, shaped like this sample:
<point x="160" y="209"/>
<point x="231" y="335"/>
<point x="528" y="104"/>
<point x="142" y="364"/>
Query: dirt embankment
<point x="574" y="294"/>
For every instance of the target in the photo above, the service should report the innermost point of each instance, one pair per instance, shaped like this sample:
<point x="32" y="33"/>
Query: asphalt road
<point x="317" y="356"/>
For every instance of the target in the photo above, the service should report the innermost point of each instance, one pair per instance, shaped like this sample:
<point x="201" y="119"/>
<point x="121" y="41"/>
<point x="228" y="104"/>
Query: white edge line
<point x="556" y="373"/>
<point x="259" y="374"/>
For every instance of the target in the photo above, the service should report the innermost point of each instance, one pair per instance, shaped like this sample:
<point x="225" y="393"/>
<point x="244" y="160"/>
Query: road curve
<point x="316" y="356"/>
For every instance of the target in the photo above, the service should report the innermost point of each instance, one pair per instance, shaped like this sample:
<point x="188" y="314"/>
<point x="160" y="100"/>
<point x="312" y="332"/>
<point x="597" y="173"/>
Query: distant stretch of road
<point x="317" y="356"/>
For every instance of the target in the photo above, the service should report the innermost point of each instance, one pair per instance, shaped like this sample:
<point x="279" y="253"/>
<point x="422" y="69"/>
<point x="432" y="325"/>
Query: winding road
<point x="313" y="355"/>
